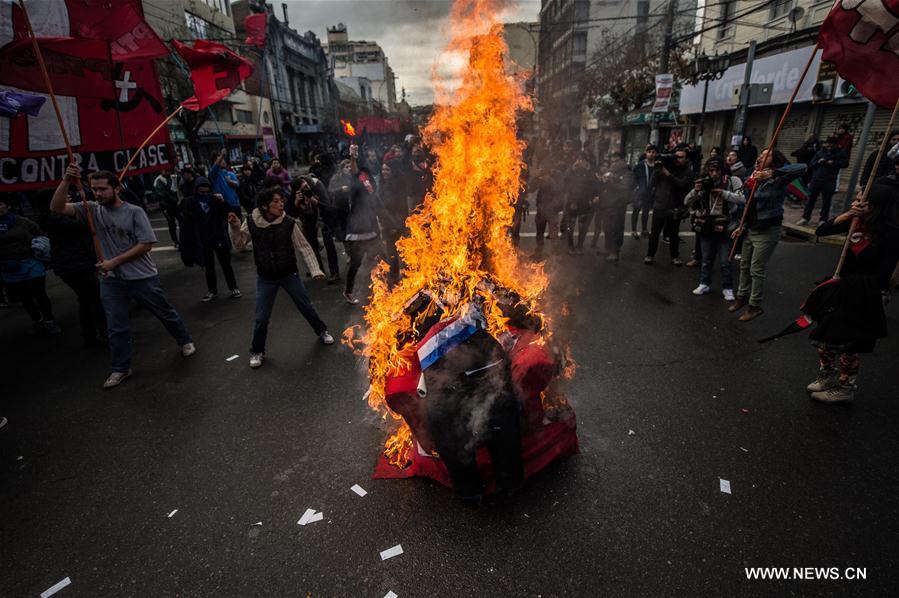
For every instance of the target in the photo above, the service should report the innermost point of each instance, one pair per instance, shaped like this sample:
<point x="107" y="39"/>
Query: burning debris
<point x="459" y="353"/>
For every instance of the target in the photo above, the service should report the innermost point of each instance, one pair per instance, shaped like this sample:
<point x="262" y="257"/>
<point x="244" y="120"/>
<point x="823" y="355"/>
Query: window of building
<point x="780" y="8"/>
<point x="223" y="6"/>
<point x="312" y="102"/>
<point x="243" y="116"/>
<point x="199" y="28"/>
<point x="581" y="11"/>
<point x="301" y="91"/>
<point x="725" y="25"/>
<point x="579" y="44"/>
<point x="222" y="112"/>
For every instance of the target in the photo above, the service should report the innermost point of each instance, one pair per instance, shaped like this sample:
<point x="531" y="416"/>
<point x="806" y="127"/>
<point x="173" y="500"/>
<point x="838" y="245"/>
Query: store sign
<point x="664" y="90"/>
<point x="782" y="71"/>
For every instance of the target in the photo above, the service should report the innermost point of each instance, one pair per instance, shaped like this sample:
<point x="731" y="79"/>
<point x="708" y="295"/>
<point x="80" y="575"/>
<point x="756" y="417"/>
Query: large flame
<point x="459" y="237"/>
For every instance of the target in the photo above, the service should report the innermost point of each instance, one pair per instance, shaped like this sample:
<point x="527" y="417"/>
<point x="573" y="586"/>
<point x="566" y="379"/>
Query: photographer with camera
<point x="708" y="203"/>
<point x="672" y="178"/>
<point x="311" y="202"/>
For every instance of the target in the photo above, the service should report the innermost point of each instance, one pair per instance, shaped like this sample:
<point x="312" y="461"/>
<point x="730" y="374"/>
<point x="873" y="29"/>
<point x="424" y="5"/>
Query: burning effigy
<point x="461" y="358"/>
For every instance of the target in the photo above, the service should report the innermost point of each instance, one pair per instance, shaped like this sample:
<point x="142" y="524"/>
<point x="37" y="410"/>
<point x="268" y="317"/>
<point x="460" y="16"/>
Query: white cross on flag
<point x="862" y="38"/>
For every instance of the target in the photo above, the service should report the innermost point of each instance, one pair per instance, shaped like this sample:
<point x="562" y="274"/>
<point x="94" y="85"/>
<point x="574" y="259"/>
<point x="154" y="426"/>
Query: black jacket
<point x="824" y="173"/>
<point x="73" y="248"/>
<point x="581" y="187"/>
<point x="671" y="190"/>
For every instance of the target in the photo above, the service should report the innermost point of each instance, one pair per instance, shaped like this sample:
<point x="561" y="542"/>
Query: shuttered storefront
<point x="795" y="129"/>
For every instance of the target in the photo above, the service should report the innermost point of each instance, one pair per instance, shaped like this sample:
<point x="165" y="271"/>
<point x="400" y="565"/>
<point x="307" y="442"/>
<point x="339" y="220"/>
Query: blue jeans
<point x="116" y="294"/>
<point x="711" y="244"/>
<point x="266" y="291"/>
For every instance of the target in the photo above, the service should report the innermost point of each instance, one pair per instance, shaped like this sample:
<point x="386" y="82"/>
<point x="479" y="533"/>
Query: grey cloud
<point x="411" y="32"/>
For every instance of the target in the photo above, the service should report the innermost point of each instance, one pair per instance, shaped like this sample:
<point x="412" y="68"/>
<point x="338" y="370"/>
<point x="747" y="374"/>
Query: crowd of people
<point x="361" y="197"/>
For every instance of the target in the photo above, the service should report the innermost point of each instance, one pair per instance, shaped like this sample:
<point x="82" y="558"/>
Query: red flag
<point x="862" y="39"/>
<point x="255" y="26"/>
<point x="215" y="70"/>
<point x="128" y="34"/>
<point x="77" y="67"/>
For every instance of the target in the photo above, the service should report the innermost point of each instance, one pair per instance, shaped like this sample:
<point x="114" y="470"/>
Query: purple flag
<point x="13" y="103"/>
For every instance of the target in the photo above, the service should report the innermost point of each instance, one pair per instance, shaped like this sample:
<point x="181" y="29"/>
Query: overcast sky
<point x="412" y="33"/>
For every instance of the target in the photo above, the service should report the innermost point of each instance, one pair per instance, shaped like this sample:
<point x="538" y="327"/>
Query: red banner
<point x="255" y="27"/>
<point x="862" y="39"/>
<point x="105" y="130"/>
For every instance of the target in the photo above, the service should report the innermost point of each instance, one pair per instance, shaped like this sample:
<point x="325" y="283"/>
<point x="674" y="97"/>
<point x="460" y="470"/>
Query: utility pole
<point x="663" y="63"/>
<point x="743" y="108"/>
<point x="860" y="153"/>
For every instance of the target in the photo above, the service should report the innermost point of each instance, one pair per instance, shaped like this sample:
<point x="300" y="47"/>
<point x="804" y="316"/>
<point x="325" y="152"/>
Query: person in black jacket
<point x="805" y="153"/>
<point x="582" y="188"/>
<point x="246" y="187"/>
<point x="394" y="211"/>
<point x="848" y="311"/>
<point x="672" y="182"/>
<point x="74" y="260"/>
<point x="826" y="165"/>
<point x="362" y="230"/>
<point x="747" y="152"/>
<point x="643" y="190"/>
<point x="207" y="213"/>
<point x="277" y="239"/>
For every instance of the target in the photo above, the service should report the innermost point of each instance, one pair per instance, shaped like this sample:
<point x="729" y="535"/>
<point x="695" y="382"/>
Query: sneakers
<point x="752" y="313"/>
<point x="826" y="380"/>
<point x="728" y="294"/>
<point x="702" y="289"/>
<point x="116" y="378"/>
<point x="236" y="294"/>
<point x="676" y="262"/>
<point x="692" y="263"/>
<point x="188" y="349"/>
<point x="802" y="222"/>
<point x="841" y="393"/>
<point x="635" y="235"/>
<point x="350" y="298"/>
<point x="649" y="260"/>
<point x="327" y="338"/>
<point x="256" y="360"/>
<point x="208" y="297"/>
<point x="738" y="304"/>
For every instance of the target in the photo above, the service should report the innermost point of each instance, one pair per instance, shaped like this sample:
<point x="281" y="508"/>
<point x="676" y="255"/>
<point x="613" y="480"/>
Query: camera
<point x="707" y="184"/>
<point x="665" y="160"/>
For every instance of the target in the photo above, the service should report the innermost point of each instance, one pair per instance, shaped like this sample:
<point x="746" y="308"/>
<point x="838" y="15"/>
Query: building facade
<point x="785" y="34"/>
<point x="362" y="59"/>
<point x="234" y="122"/>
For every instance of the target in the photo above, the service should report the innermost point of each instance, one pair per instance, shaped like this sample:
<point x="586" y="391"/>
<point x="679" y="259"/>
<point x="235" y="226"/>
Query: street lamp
<point x="707" y="68"/>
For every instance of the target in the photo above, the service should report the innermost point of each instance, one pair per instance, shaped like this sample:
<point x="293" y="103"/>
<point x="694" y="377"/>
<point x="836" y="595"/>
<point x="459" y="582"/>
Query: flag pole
<point x="868" y="185"/>
<point x="62" y="128"/>
<point x="771" y="145"/>
<point x="147" y="140"/>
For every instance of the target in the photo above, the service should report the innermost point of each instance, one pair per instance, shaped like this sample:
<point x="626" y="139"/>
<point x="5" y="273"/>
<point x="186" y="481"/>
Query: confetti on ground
<point x="630" y="432"/>
<point x="257" y="523"/>
<point x="358" y="490"/>
<point x="725" y="486"/>
<point x="744" y="410"/>
<point x="744" y="450"/>
<point x="714" y="396"/>
<point x="391" y="552"/>
<point x="390" y="594"/>
<point x="232" y="358"/>
<point x="55" y="587"/>
<point x="170" y="515"/>
<point x="311" y="516"/>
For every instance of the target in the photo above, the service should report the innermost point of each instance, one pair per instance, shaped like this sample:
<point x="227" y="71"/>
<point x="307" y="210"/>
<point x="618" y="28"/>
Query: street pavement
<point x="672" y="395"/>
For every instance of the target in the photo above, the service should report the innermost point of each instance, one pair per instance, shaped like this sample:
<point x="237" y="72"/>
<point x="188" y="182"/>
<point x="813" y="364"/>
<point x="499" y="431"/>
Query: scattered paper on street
<point x="257" y="523"/>
<point x="725" y="486"/>
<point x="358" y="490"/>
<point x="305" y="518"/>
<point x="390" y="594"/>
<point x="391" y="552"/>
<point x="317" y="517"/>
<point x="232" y="358"/>
<point x="55" y="587"/>
<point x="172" y="513"/>
<point x="630" y="432"/>
<point x="744" y="450"/>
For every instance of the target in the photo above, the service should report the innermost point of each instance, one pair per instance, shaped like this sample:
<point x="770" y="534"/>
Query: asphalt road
<point x="88" y="477"/>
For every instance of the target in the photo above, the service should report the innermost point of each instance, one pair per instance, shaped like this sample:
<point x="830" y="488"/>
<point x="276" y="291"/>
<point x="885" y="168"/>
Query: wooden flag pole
<point x="868" y="185"/>
<point x="147" y="140"/>
<point x="62" y="127"/>
<point x="771" y="146"/>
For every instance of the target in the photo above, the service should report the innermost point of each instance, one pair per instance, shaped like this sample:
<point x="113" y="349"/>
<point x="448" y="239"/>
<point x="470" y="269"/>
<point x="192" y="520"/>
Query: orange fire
<point x="459" y="238"/>
<point x="348" y="128"/>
